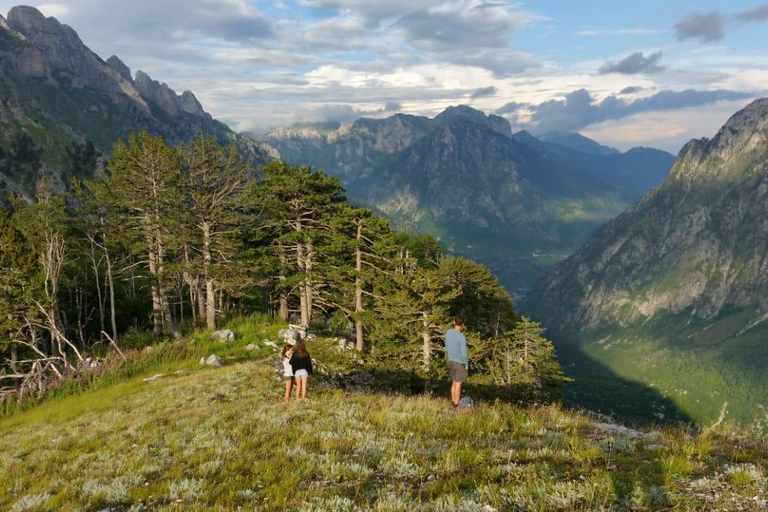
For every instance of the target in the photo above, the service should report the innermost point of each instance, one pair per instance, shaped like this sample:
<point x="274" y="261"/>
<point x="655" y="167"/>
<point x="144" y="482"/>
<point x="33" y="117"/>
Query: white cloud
<point x="257" y="65"/>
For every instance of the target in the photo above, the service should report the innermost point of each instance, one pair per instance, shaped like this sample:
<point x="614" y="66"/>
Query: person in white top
<point x="285" y="358"/>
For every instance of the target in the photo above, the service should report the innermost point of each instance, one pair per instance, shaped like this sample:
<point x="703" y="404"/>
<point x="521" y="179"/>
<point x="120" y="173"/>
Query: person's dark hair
<point x="285" y="349"/>
<point x="458" y="320"/>
<point x="301" y="349"/>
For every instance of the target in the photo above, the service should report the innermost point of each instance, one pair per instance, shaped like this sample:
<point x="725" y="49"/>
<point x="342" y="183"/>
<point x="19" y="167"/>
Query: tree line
<point x="166" y="238"/>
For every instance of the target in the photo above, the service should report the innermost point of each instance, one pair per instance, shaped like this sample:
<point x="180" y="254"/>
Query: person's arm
<point x="464" y="352"/>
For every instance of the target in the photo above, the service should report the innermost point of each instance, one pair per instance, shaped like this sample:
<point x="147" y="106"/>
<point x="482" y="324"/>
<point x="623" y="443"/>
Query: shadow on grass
<point x="595" y="388"/>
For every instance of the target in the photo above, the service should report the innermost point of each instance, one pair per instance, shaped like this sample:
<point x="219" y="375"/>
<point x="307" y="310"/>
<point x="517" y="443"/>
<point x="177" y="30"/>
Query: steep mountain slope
<point x="514" y="203"/>
<point x="61" y="103"/>
<point x="675" y="290"/>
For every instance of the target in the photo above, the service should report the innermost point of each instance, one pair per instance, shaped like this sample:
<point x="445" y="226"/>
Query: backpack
<point x="466" y="404"/>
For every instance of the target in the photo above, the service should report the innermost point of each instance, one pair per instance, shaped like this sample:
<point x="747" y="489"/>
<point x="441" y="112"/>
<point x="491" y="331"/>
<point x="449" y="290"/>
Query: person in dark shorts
<point x="458" y="362"/>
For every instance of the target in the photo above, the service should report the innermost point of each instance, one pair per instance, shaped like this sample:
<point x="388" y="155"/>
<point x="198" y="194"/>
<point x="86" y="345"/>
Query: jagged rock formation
<point x="512" y="202"/>
<point x="60" y="94"/>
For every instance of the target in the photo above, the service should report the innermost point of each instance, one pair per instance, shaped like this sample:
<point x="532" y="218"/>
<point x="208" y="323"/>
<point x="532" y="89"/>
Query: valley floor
<point x="223" y="439"/>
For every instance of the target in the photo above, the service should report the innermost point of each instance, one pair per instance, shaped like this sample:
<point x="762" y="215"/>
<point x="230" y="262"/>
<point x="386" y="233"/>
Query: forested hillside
<point x="172" y="237"/>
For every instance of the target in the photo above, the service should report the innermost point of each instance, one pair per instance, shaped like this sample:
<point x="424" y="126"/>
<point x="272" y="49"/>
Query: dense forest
<point x="168" y="239"/>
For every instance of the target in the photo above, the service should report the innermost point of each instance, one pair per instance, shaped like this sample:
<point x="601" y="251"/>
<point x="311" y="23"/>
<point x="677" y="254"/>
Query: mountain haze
<point x="513" y="202"/>
<point x="62" y="104"/>
<point x="675" y="290"/>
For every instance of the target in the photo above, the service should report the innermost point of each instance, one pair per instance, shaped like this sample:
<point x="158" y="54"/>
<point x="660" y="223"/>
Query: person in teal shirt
<point x="458" y="362"/>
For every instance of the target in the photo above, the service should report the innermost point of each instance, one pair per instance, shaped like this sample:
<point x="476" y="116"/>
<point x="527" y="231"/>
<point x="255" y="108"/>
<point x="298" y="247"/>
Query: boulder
<point x="225" y="335"/>
<point x="213" y="360"/>
<point x="250" y="347"/>
<point x="272" y="344"/>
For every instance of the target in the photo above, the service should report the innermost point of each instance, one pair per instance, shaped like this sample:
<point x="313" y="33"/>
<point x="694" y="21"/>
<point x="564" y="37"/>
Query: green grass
<point x="698" y="365"/>
<point x="222" y="439"/>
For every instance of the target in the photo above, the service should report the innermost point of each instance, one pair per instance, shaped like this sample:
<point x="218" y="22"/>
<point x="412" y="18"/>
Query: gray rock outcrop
<point x="224" y="335"/>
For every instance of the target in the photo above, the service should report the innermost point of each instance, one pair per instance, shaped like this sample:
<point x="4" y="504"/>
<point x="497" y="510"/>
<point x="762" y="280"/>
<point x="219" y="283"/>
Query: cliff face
<point x="699" y="242"/>
<point x="60" y="94"/>
<point x="511" y="202"/>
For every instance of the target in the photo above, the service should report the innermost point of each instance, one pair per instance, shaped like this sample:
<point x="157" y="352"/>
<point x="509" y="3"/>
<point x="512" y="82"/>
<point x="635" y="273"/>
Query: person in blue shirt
<point x="458" y="362"/>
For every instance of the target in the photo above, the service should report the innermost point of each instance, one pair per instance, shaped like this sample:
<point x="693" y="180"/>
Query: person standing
<point x="301" y="363"/>
<point x="285" y="357"/>
<point x="458" y="362"/>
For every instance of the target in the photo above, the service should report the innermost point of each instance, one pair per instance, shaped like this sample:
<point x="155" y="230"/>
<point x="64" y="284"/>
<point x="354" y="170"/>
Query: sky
<point x="653" y="73"/>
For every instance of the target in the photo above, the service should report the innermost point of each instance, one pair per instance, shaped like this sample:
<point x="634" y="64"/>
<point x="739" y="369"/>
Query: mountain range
<point x="674" y="291"/>
<point x="511" y="201"/>
<point x="63" y="105"/>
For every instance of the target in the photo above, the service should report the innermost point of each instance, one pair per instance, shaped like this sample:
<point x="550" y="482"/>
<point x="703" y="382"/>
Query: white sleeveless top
<point x="287" y="369"/>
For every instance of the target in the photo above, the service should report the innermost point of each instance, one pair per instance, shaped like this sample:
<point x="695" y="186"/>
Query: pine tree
<point x="526" y="357"/>
<point x="363" y="248"/>
<point x="485" y="304"/>
<point x="20" y="282"/>
<point x="297" y="203"/>
<point x="141" y="189"/>
<point x="45" y="225"/>
<point x="215" y="179"/>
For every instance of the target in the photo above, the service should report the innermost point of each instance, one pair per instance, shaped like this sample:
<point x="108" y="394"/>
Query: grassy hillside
<point x="222" y="439"/>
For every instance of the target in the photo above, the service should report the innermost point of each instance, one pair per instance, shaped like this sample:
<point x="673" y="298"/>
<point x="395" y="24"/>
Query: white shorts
<point x="301" y="374"/>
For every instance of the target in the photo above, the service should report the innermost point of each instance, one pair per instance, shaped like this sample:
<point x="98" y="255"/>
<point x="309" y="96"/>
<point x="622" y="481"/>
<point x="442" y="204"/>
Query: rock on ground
<point x="225" y="335"/>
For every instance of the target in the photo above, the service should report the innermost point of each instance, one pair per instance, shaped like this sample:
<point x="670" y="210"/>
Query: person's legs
<point x="288" y="387"/>
<point x="303" y="387"/>
<point x="455" y="392"/>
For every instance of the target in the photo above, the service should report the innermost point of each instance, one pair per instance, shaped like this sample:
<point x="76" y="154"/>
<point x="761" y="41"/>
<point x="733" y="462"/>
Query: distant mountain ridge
<point x="685" y="271"/>
<point x="579" y="142"/>
<point x="513" y="202"/>
<point x="59" y="94"/>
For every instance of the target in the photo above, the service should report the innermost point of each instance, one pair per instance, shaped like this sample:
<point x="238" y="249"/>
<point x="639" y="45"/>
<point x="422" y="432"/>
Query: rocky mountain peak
<point x="746" y="130"/>
<point x="4" y="23"/>
<point x="190" y="104"/>
<point x="467" y="113"/>
<point x="162" y="95"/>
<point x="115" y="63"/>
<point x="27" y="20"/>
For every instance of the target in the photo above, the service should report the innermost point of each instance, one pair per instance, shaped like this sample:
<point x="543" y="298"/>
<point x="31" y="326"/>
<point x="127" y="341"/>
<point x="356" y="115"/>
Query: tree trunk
<point x="426" y="349"/>
<point x="301" y="263"/>
<point x="210" y="292"/>
<point x="358" y="289"/>
<point x="96" y="276"/>
<point x="426" y="353"/>
<point x="168" y="323"/>
<point x="308" y="290"/>
<point x="14" y="357"/>
<point x="200" y="299"/>
<point x="283" y="294"/>
<point x="157" y="318"/>
<point x="111" y="284"/>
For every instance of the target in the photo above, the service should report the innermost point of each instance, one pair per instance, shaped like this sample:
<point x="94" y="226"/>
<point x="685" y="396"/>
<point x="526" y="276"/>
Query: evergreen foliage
<point x="169" y="238"/>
